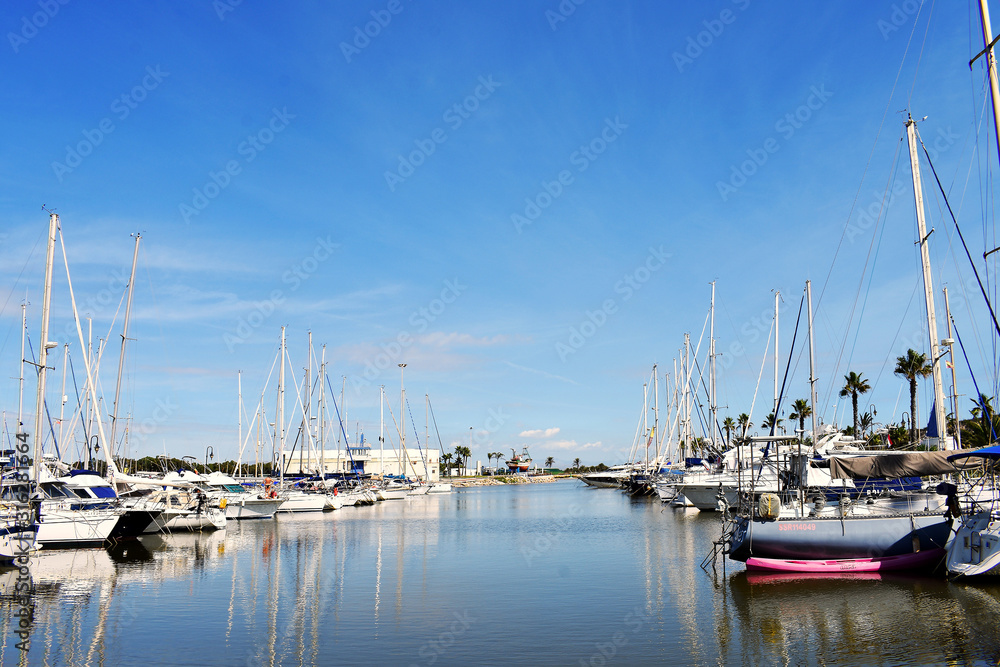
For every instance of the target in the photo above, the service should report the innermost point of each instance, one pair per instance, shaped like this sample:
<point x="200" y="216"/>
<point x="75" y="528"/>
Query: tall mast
<point x="402" y="415"/>
<point x="427" y="435"/>
<point x="44" y="344"/>
<point x="777" y="295"/>
<point x="20" y="384"/>
<point x="925" y="261"/>
<point x="687" y="396"/>
<point x="239" y="418"/>
<point x="950" y="342"/>
<point x="62" y="394"/>
<point x="281" y="406"/>
<point x="812" y="363"/>
<point x="307" y="430"/>
<point x="381" y="428"/>
<point x="121" y="357"/>
<point x="991" y="66"/>
<point x="322" y="413"/>
<point x="645" y="423"/>
<point x="713" y="408"/>
<point x="656" y="413"/>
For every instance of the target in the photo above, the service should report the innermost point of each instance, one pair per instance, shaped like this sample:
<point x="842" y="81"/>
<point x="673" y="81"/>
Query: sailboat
<point x="849" y="536"/>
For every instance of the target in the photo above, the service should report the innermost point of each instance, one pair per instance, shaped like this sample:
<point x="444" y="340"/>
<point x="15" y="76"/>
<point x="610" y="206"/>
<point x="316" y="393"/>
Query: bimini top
<point x="986" y="452"/>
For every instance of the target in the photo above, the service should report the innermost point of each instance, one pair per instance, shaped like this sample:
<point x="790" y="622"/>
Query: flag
<point x="888" y="439"/>
<point x="949" y="364"/>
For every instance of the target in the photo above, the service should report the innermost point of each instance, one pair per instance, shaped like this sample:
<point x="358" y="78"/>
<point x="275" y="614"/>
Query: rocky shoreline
<point x="504" y="479"/>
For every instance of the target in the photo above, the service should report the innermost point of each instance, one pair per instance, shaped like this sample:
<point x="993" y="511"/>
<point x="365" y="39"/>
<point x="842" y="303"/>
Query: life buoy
<point x="223" y="503"/>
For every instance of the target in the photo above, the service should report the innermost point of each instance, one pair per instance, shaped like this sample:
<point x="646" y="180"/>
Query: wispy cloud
<point x="571" y="444"/>
<point x="539" y="433"/>
<point x="542" y="373"/>
<point x="442" y="339"/>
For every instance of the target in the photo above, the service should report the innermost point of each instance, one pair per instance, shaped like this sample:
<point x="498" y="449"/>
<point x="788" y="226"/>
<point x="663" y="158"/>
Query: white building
<point x="364" y="460"/>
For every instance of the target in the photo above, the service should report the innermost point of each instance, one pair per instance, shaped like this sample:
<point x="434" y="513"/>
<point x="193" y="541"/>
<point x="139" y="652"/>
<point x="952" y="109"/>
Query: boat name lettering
<point x="796" y="526"/>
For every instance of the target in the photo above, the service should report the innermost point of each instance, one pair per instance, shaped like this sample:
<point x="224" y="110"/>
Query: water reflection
<point x="446" y="579"/>
<point x="864" y="618"/>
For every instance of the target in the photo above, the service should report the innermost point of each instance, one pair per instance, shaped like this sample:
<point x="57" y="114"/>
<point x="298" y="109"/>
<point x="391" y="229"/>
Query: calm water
<point x="544" y="574"/>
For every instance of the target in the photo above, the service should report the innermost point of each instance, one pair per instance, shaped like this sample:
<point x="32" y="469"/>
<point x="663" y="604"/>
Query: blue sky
<point x="467" y="184"/>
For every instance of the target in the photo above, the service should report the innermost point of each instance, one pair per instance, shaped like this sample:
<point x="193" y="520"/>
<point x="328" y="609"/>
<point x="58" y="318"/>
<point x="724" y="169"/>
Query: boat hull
<point x="975" y="551"/>
<point x="133" y="523"/>
<point x="16" y="541"/>
<point x="252" y="508"/>
<point x="304" y="502"/>
<point x="601" y="482"/>
<point x="58" y="528"/>
<point x="837" y="538"/>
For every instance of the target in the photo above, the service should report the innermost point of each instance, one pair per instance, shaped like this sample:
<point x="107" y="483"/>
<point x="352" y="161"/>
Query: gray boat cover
<point x="901" y="464"/>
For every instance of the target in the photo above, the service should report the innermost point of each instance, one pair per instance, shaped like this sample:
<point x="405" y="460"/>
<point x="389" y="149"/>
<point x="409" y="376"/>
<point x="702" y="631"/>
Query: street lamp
<point x="209" y="454"/>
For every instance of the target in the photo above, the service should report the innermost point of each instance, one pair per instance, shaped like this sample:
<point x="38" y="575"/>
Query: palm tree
<point x="462" y="453"/>
<point x="854" y="386"/>
<point x="500" y="457"/>
<point x="911" y="366"/>
<point x="866" y="422"/>
<point x="743" y="421"/>
<point x="801" y="410"/>
<point x="982" y="429"/>
<point x="576" y="463"/>
<point x="446" y="462"/>
<point x="729" y="426"/>
<point x="549" y="461"/>
<point x="770" y="423"/>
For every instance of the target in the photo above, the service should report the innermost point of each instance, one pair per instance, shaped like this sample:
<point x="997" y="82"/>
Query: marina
<point x="426" y="581"/>
<point x="529" y="216"/>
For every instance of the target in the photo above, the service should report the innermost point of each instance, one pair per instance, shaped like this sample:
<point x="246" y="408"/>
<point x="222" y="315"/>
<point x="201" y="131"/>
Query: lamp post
<point x="209" y="454"/>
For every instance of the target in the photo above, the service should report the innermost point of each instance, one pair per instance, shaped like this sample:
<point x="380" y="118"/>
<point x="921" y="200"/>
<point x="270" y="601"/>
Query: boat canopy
<point x="986" y="453"/>
<point x="902" y="464"/>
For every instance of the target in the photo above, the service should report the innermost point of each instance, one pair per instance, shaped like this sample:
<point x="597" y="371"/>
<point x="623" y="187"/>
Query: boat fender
<point x="223" y="503"/>
<point x="769" y="506"/>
